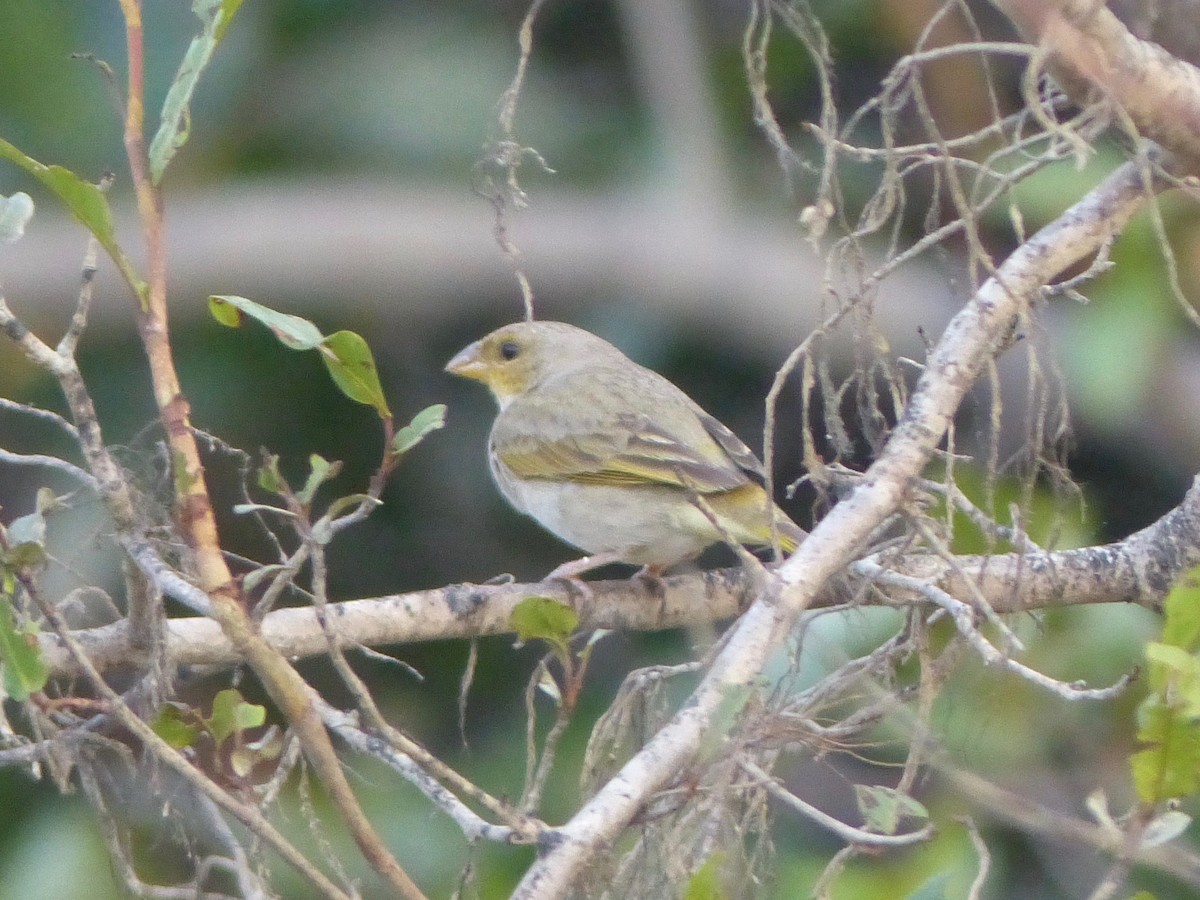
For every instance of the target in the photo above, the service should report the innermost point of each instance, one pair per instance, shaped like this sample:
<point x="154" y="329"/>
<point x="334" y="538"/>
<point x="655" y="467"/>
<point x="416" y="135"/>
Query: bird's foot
<point x="652" y="577"/>
<point x="569" y="573"/>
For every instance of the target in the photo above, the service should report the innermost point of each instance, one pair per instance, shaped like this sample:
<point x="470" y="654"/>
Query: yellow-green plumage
<point x="609" y="455"/>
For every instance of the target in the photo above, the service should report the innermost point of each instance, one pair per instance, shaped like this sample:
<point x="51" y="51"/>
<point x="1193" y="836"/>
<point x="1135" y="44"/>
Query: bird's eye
<point x="510" y="350"/>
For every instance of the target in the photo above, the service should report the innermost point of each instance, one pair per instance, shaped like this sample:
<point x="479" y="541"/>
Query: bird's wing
<point x="555" y="441"/>
<point x="741" y="455"/>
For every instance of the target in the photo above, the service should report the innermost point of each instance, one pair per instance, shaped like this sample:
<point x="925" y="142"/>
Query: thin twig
<point x="169" y="756"/>
<point x="975" y="892"/>
<point x="964" y="620"/>
<point x="841" y="829"/>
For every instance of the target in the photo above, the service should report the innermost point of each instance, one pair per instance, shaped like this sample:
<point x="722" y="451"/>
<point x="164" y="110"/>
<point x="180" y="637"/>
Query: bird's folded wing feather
<point x="627" y="449"/>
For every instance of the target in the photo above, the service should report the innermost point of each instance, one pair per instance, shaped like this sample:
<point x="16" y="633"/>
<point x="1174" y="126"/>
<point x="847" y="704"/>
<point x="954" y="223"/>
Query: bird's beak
<point x="467" y="364"/>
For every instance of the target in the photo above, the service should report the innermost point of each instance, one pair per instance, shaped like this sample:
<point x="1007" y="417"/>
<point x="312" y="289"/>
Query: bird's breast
<point x="642" y="524"/>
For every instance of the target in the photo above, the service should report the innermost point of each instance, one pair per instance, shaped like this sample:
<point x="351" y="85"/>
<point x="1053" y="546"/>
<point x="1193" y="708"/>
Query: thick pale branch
<point x="457" y="611"/>
<point x="1090" y="50"/>
<point x="1139" y="569"/>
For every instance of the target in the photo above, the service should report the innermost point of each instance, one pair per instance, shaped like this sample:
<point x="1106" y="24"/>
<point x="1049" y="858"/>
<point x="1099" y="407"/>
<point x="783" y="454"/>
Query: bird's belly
<point x="641" y="525"/>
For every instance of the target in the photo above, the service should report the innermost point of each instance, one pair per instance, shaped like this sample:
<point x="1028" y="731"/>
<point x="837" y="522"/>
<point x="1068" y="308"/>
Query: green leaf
<point x="228" y="9"/>
<point x="241" y="761"/>
<point x="224" y="312"/>
<point x="1181" y="627"/>
<point x="544" y="618"/>
<point x="882" y="808"/>
<point x="269" y="477"/>
<point x="85" y="201"/>
<point x="232" y="714"/>
<point x="1175" y="677"/>
<point x="349" y="361"/>
<point x="15" y="213"/>
<point x="25" y="536"/>
<point x="246" y="757"/>
<point x="1170" y="765"/>
<point x="177" y="725"/>
<point x="24" y="557"/>
<point x="705" y="883"/>
<point x="175" y="121"/>
<point x="341" y="504"/>
<point x="293" y="332"/>
<point x="430" y="419"/>
<point x="345" y="354"/>
<point x="320" y="471"/>
<point x="25" y="672"/>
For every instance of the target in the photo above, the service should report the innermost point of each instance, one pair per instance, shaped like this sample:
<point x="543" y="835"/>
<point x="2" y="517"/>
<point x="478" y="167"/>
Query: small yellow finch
<point x="611" y="456"/>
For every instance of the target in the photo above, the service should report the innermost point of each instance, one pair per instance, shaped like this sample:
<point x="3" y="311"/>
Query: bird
<point x="612" y="457"/>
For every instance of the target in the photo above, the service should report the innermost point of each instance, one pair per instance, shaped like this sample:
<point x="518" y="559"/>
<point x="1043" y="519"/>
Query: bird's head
<point x="515" y="358"/>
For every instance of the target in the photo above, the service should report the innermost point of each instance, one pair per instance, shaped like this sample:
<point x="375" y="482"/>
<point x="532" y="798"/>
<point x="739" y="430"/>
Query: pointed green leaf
<point x="85" y="201"/>
<point x="175" y="121"/>
<point x="269" y="477"/>
<point x="177" y="725"/>
<point x="24" y="557"/>
<point x="1175" y="675"/>
<point x="232" y="714"/>
<point x="25" y="672"/>
<point x="341" y="504"/>
<point x="882" y="808"/>
<point x="1170" y="765"/>
<point x="228" y="9"/>
<point x="293" y="332"/>
<point x="345" y="354"/>
<point x="251" y="753"/>
<point x="225" y="313"/>
<point x="15" y="213"/>
<point x="1181" y="627"/>
<point x="320" y="471"/>
<point x="241" y="761"/>
<point x="430" y="419"/>
<point x="544" y="618"/>
<point x="349" y="361"/>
